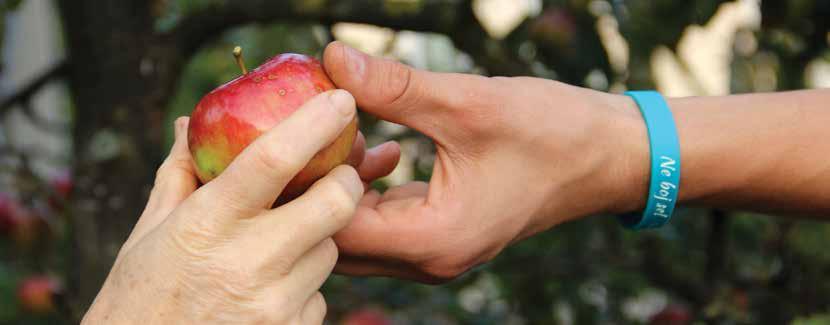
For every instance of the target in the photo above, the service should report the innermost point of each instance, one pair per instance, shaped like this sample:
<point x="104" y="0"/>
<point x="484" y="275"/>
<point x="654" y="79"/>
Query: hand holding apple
<point x="222" y="247"/>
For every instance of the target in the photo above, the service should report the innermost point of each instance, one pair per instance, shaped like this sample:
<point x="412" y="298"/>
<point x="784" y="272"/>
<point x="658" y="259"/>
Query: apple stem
<point x="237" y="53"/>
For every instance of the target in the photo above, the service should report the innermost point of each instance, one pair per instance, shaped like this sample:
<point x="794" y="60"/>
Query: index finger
<point x="259" y="174"/>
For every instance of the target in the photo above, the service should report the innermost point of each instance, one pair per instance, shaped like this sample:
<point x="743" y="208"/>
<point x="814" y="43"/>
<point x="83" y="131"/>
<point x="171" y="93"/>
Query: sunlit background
<point x="711" y="266"/>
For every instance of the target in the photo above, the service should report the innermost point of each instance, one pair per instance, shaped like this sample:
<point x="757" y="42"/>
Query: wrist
<point x="613" y="169"/>
<point x="628" y="146"/>
<point x="633" y="153"/>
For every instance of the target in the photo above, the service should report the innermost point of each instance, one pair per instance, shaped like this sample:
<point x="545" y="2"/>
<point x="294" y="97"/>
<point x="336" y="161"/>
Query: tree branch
<point x="716" y="247"/>
<point x="201" y="26"/>
<point x="450" y="17"/>
<point x="24" y="94"/>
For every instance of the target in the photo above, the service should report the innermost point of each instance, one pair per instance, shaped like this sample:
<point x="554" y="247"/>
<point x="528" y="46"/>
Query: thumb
<point x="426" y="101"/>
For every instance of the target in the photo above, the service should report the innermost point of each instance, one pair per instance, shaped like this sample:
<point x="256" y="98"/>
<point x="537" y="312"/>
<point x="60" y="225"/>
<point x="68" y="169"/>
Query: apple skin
<point x="36" y="294"/>
<point x="232" y="116"/>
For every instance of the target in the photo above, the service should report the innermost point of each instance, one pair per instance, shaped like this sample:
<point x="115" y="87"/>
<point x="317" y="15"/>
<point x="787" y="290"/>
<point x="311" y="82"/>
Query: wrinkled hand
<point x="219" y="253"/>
<point x="515" y="156"/>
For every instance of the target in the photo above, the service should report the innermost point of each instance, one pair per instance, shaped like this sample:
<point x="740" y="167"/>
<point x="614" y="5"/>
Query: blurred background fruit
<point x="366" y="316"/>
<point x="38" y="294"/>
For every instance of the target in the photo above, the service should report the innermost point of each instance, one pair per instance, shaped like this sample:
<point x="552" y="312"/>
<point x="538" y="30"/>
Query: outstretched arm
<point x="762" y="152"/>
<point x="517" y="156"/>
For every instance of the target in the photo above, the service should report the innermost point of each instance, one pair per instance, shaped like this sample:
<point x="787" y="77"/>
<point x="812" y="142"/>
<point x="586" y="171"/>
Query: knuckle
<point x="193" y="238"/>
<point x="234" y="282"/>
<point x="330" y="251"/>
<point x="172" y="166"/>
<point x="397" y="80"/>
<point x="280" y="266"/>
<point x="317" y="305"/>
<point x="273" y="158"/>
<point x="338" y="202"/>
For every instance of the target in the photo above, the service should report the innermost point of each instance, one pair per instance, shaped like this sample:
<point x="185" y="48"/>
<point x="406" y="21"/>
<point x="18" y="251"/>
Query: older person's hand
<point x="220" y="253"/>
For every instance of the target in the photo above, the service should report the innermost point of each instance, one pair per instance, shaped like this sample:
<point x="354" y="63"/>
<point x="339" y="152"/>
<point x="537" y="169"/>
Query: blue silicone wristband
<point x="664" y="183"/>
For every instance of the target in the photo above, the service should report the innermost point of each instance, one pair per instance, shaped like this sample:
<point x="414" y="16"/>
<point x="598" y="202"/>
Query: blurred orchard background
<point x="89" y="89"/>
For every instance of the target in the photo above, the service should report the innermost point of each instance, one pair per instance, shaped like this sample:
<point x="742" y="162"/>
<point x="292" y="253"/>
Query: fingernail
<point x="355" y="62"/>
<point x="341" y="101"/>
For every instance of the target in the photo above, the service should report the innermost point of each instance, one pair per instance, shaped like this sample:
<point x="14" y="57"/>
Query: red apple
<point x="37" y="294"/>
<point x="366" y="316"/>
<point x="230" y="117"/>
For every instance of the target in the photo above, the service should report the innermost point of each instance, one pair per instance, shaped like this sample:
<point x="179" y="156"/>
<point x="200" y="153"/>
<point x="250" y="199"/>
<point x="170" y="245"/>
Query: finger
<point x="379" y="161"/>
<point x="391" y="229"/>
<point x="175" y="181"/>
<point x="257" y="176"/>
<point x="364" y="267"/>
<point x="358" y="152"/>
<point x="314" y="311"/>
<point x="294" y="228"/>
<point x="310" y="272"/>
<point x="410" y="190"/>
<point x="370" y="198"/>
<point x="425" y="101"/>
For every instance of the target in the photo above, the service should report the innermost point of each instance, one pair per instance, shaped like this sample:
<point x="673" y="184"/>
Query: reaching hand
<point x="515" y="156"/>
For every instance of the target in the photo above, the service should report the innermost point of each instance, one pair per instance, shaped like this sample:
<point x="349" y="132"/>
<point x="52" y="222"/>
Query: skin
<point x="233" y="115"/>
<point x="517" y="156"/>
<point x="220" y="254"/>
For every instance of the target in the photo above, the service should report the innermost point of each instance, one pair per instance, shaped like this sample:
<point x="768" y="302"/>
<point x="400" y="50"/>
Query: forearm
<point x="763" y="152"/>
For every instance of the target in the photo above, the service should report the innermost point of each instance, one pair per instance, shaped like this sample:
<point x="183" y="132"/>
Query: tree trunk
<point x="121" y="76"/>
